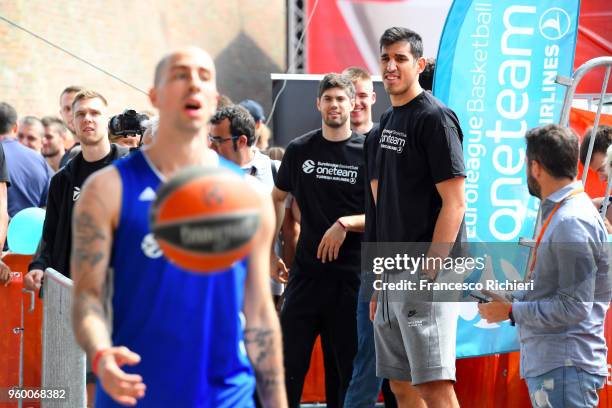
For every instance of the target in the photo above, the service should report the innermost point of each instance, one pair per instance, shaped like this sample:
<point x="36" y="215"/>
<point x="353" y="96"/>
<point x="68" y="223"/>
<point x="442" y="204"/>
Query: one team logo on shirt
<point x="76" y="193"/>
<point x="150" y="247"/>
<point x="346" y="173"/>
<point x="308" y="166"/>
<point x="392" y="140"/>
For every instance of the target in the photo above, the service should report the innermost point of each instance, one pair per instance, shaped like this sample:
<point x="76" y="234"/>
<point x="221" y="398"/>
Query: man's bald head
<point x="185" y="90"/>
<point x="163" y="64"/>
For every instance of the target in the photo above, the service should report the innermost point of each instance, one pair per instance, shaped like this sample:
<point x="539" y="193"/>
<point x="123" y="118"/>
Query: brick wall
<point x="126" y="38"/>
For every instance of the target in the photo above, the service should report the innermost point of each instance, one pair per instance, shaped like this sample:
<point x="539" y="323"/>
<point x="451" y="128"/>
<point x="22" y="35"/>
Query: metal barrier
<point x="571" y="84"/>
<point x="569" y="96"/>
<point x="63" y="364"/>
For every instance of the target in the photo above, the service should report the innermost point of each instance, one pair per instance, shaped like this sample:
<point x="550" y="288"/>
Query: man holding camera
<point x="126" y="129"/>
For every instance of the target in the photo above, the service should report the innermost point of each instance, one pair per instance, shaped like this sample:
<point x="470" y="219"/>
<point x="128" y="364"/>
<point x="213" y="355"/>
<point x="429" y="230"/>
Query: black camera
<point x="127" y="123"/>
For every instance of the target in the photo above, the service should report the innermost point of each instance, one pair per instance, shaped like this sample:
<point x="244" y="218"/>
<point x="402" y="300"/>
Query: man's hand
<point x="373" y="302"/>
<point x="124" y="388"/>
<point x="278" y="269"/>
<point x="495" y="311"/>
<point x="5" y="274"/>
<point x="329" y="247"/>
<point x="33" y="279"/>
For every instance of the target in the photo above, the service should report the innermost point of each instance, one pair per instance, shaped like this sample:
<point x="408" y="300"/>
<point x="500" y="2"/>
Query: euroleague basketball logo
<point x="213" y="196"/>
<point x="308" y="166"/>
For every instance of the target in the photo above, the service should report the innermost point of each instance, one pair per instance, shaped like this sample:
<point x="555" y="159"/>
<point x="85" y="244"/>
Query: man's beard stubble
<point x="533" y="186"/>
<point x="47" y="155"/>
<point x="334" y="124"/>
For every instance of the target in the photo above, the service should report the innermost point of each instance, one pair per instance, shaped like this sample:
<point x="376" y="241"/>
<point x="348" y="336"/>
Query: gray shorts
<point x="415" y="341"/>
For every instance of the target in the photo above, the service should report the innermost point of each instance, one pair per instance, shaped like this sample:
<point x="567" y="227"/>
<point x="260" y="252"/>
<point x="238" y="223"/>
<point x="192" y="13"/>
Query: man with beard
<point x="53" y="147"/>
<point x="323" y="170"/>
<point x="561" y="320"/>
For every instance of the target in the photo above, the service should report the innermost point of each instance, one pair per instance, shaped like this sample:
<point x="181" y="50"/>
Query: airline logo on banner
<point x="496" y="68"/>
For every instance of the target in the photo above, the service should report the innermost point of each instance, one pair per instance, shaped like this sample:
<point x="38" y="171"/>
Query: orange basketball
<point x="205" y="218"/>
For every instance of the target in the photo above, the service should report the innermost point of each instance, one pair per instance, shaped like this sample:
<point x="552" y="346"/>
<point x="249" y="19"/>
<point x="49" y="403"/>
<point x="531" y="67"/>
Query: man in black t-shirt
<point x="90" y="117"/>
<point x="420" y="200"/>
<point x="97" y="152"/>
<point x="323" y="170"/>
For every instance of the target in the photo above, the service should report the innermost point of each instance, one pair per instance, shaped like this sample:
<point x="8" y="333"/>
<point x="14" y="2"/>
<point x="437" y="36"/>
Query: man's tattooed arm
<point x="91" y="246"/>
<point x="262" y="335"/>
<point x="261" y="347"/>
<point x="84" y="250"/>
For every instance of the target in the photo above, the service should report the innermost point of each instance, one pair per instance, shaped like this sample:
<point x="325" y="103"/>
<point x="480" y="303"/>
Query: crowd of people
<point x="182" y="339"/>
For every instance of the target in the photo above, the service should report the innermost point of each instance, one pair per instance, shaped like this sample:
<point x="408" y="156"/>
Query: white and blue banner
<point x="496" y="68"/>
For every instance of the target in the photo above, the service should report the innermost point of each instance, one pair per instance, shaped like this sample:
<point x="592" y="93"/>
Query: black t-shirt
<point x="327" y="179"/>
<point x="420" y="145"/>
<point x="370" y="150"/>
<point x="84" y="169"/>
<point x="64" y="191"/>
<point x="4" y="175"/>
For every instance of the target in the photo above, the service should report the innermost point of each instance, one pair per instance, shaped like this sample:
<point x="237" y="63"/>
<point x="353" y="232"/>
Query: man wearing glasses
<point x="232" y="135"/>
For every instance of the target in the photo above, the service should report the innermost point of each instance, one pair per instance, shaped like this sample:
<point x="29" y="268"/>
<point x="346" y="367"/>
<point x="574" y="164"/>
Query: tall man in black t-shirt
<point x="323" y="170"/>
<point x="420" y="199"/>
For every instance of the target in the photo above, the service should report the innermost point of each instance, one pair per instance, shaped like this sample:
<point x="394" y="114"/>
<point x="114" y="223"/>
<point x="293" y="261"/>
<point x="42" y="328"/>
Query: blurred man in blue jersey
<point x="180" y="333"/>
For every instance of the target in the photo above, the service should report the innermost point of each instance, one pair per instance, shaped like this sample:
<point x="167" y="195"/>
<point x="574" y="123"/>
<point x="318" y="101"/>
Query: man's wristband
<point x="511" y="317"/>
<point x="342" y="224"/>
<point x="96" y="360"/>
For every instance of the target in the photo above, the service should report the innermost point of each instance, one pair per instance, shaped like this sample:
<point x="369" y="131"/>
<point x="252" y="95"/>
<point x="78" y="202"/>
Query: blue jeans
<point x="365" y="386"/>
<point x="565" y="387"/>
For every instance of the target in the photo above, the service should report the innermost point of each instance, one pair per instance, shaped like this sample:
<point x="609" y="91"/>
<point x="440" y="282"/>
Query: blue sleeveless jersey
<point x="187" y="327"/>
